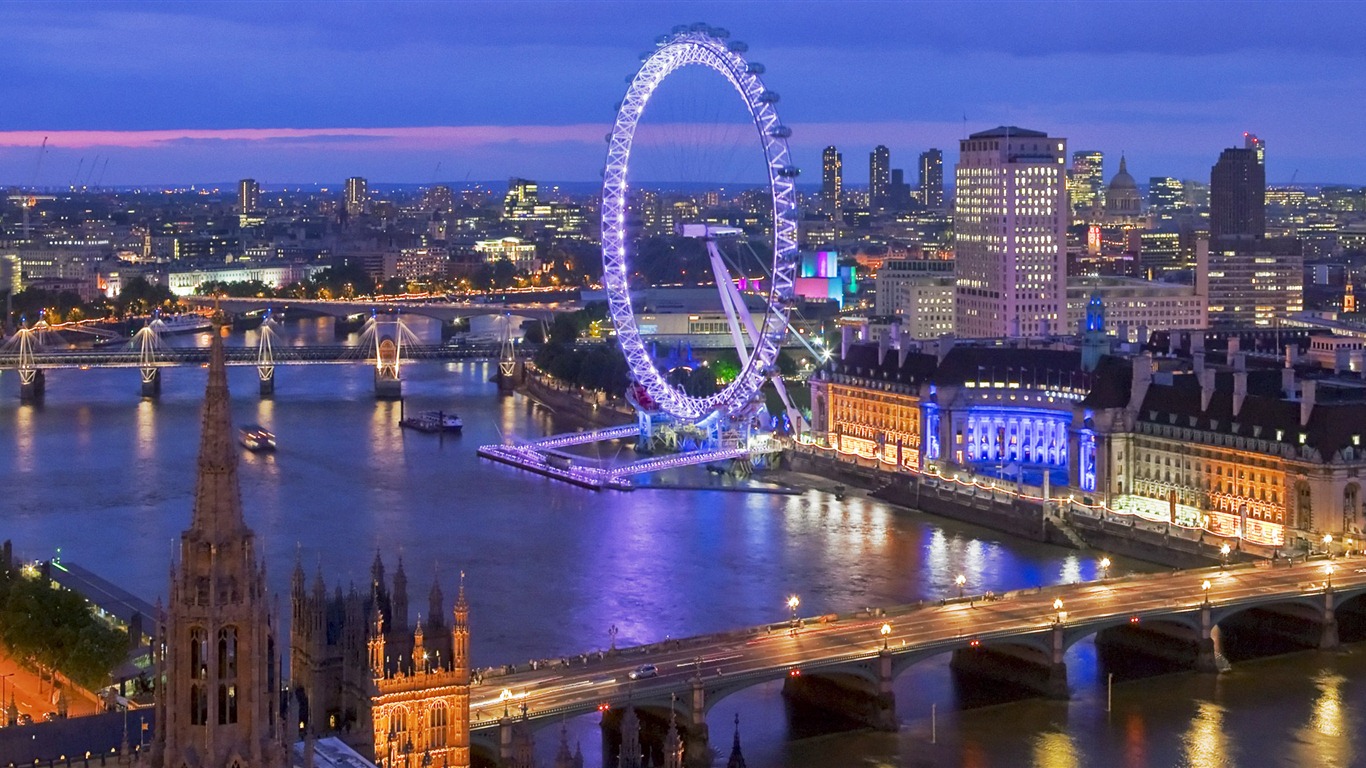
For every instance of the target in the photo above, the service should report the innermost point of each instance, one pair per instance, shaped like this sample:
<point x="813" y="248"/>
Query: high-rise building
<point x="832" y="182"/>
<point x="1250" y="141"/>
<point x="932" y="179"/>
<point x="1010" y="225"/>
<point x="1237" y="193"/>
<point x="248" y="196"/>
<point x="357" y="195"/>
<point x="1166" y="198"/>
<point x="879" y="177"/>
<point x="1086" y="183"/>
<point x="220" y="704"/>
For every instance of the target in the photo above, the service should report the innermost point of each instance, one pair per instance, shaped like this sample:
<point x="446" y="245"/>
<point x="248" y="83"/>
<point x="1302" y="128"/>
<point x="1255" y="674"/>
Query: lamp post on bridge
<point x="792" y="602"/>
<point x="885" y="631"/>
<point x="1224" y="551"/>
<point x="1105" y="567"/>
<point x="612" y="633"/>
<point x="1204" y="587"/>
<point x="960" y="580"/>
<point x="1328" y="577"/>
<point x="1058" y="609"/>
<point x="1328" y="544"/>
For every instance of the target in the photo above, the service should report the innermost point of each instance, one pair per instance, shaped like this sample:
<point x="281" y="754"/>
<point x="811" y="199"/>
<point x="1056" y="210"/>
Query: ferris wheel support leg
<point x="726" y="285"/>
<point x="737" y="309"/>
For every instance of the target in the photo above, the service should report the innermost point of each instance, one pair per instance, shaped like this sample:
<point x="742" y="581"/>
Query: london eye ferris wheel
<point x="758" y="337"/>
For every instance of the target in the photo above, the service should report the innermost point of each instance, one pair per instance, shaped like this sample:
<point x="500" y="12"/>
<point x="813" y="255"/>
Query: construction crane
<point x="27" y="196"/>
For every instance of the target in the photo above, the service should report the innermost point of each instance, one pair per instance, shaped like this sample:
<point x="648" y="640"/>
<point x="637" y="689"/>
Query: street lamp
<point x="1204" y="587"/>
<point x="886" y="630"/>
<point x="960" y="580"/>
<point x="612" y="633"/>
<point x="792" y="603"/>
<point x="1327" y="544"/>
<point x="1328" y="576"/>
<point x="1057" y="607"/>
<point x="1347" y="545"/>
<point x="1105" y="567"/>
<point x="1223" y="552"/>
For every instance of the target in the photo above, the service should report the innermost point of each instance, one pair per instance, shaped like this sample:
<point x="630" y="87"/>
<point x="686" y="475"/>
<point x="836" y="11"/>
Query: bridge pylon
<point x="32" y="381"/>
<point x="511" y="369"/>
<point x="148" y="342"/>
<point x="388" y="337"/>
<point x="265" y="356"/>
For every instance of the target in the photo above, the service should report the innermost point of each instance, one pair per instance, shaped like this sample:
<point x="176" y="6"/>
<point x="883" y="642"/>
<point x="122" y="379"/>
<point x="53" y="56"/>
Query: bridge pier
<point x="388" y="388"/>
<point x="32" y="385"/>
<point x="1044" y="674"/>
<point x="850" y="697"/>
<point x="267" y="377"/>
<point x="151" y="382"/>
<point x="697" y="740"/>
<point x="454" y="328"/>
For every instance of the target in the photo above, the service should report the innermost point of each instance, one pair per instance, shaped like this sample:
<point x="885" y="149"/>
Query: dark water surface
<point x="107" y="478"/>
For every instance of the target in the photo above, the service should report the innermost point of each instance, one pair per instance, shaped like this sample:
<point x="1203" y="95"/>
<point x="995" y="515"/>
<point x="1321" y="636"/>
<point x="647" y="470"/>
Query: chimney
<point x="884" y="341"/>
<point x="945" y="346"/>
<point x="846" y="339"/>
<point x="1341" y="360"/>
<point x="1142" y="379"/>
<point x="895" y="331"/>
<point x="1142" y="333"/>
<point x="1198" y="362"/>
<point x="902" y="352"/>
<point x="1306" y="401"/>
<point x="1238" y="360"/>
<point x="1206" y="387"/>
<point x="1235" y="345"/>
<point x="1197" y="341"/>
<point x="1288" y="383"/>
<point x="1289" y="355"/>
<point x="1122" y="332"/>
<point x="1239" y="390"/>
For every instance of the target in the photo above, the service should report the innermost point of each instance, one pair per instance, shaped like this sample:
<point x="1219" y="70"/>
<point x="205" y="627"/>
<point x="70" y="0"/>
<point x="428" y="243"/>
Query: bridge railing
<point x="283" y="355"/>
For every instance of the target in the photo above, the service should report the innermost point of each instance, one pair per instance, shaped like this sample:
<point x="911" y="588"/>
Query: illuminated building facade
<point x="1250" y="281"/>
<point x="919" y="291"/>
<point x="360" y="670"/>
<point x="1166" y="199"/>
<point x="1133" y="305"/>
<point x="1086" y="184"/>
<point x="522" y="254"/>
<point x="1242" y="449"/>
<point x="1010" y="229"/>
<point x="1123" y="203"/>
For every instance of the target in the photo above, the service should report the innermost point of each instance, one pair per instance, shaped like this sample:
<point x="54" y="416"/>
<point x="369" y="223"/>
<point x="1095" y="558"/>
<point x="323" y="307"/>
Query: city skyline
<point x="179" y="93"/>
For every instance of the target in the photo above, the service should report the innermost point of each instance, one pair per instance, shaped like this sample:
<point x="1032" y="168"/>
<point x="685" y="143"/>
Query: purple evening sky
<point x="301" y="92"/>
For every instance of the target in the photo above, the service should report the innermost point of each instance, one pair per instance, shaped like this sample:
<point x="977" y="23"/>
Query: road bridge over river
<point x="849" y="662"/>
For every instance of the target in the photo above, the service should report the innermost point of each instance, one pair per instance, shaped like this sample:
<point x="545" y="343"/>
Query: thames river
<point x="107" y="478"/>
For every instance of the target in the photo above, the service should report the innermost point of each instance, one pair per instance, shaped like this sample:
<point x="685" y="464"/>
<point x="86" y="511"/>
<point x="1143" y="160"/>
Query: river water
<point x="107" y="478"/>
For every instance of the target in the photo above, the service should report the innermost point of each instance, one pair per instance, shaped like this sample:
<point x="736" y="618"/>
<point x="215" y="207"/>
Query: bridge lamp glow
<point x="960" y="580"/>
<point x="885" y="631"/>
<point x="1224" y="550"/>
<point x="1105" y="567"/>
<point x="1328" y="543"/>
<point x="792" y="603"/>
<point x="1057" y="608"/>
<point x="1204" y="587"/>
<point x="1328" y="575"/>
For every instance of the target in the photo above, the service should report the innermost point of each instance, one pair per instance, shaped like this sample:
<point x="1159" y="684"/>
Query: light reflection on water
<point x="108" y="477"/>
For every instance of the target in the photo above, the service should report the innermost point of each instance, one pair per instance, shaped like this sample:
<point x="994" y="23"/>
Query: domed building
<point x="1123" y="203"/>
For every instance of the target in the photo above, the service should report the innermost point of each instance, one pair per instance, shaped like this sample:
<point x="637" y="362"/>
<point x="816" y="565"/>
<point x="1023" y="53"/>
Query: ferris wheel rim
<point x="705" y="46"/>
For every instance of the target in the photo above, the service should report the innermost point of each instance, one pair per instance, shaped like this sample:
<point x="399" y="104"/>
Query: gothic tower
<point x="217" y="705"/>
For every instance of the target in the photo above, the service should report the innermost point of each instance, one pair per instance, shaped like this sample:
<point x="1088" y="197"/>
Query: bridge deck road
<point x="770" y="651"/>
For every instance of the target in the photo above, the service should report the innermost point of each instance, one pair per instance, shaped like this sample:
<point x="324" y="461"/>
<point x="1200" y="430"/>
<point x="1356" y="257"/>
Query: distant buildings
<point x="1123" y="202"/>
<point x="522" y="254"/>
<point x="1010" y="219"/>
<point x="1237" y="195"/>
<point x="248" y="196"/>
<point x="920" y="293"/>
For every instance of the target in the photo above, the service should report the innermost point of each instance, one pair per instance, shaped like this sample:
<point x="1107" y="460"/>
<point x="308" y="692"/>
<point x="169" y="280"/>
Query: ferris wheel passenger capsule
<point x="789" y="171"/>
<point x="780" y="132"/>
<point x="700" y="26"/>
<point x="720" y="33"/>
<point x="769" y="97"/>
<point x="679" y="29"/>
<point x="755" y="68"/>
<point x="737" y="46"/>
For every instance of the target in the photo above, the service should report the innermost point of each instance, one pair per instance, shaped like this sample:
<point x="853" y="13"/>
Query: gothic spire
<point x="217" y="497"/>
<point x="737" y="759"/>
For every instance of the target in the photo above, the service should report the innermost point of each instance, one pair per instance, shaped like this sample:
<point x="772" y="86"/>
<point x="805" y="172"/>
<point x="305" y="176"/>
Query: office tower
<point x="1237" y="194"/>
<point x="248" y="196"/>
<point x="900" y="195"/>
<point x="357" y="195"/>
<point x="1250" y="141"/>
<point x="932" y="179"/>
<point x="1166" y="198"/>
<point x="1010" y="222"/>
<point x="832" y="181"/>
<point x="1249" y="279"/>
<point x="1086" y="183"/>
<point x="879" y="177"/>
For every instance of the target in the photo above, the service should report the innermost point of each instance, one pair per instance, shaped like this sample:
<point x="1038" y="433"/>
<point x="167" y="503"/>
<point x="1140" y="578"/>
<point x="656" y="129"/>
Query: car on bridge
<point x="643" y="671"/>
